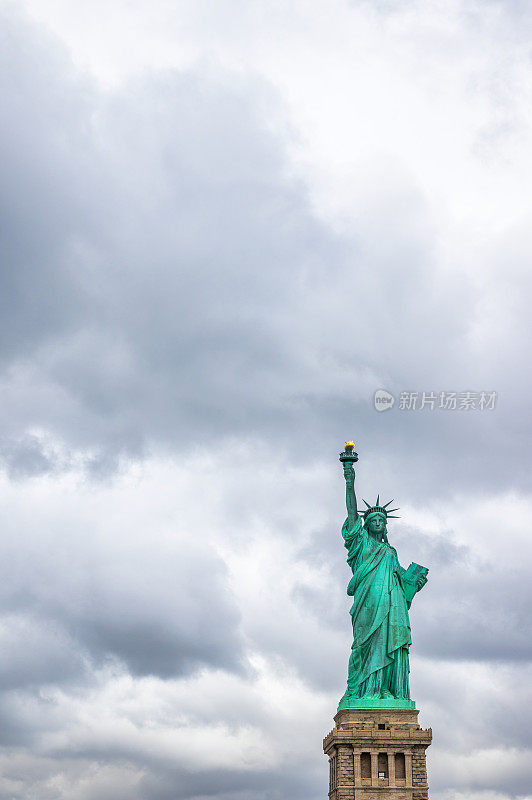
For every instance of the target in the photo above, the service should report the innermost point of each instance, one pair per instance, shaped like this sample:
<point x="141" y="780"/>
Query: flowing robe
<point x="378" y="665"/>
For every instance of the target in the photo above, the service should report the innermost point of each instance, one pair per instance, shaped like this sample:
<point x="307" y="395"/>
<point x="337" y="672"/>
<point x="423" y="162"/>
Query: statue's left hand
<point x="421" y="581"/>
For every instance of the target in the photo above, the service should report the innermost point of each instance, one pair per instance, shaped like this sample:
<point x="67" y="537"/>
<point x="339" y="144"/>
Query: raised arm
<point x="350" y="497"/>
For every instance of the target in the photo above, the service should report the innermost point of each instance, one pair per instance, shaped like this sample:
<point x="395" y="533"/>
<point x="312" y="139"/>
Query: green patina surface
<point x="378" y="672"/>
<point x="366" y="702"/>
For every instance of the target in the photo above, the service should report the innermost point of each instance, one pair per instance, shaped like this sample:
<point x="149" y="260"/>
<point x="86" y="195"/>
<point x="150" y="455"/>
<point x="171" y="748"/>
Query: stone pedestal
<point x="377" y="754"/>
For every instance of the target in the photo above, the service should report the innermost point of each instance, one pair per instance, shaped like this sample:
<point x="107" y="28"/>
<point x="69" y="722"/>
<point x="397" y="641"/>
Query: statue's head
<point x="376" y="517"/>
<point x="375" y="523"/>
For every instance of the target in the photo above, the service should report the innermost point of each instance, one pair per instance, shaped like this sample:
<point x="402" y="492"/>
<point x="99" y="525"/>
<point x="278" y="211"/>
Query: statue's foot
<point x="387" y="696"/>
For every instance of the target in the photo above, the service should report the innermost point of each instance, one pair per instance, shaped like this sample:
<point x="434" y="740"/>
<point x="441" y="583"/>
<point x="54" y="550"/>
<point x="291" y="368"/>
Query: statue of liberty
<point x="382" y="592"/>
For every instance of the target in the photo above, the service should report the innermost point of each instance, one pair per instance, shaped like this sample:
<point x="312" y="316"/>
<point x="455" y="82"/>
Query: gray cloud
<point x="150" y="611"/>
<point x="177" y="285"/>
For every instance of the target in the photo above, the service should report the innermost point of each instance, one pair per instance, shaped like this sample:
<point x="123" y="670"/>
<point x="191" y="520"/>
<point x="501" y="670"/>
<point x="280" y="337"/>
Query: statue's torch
<point x="349" y="454"/>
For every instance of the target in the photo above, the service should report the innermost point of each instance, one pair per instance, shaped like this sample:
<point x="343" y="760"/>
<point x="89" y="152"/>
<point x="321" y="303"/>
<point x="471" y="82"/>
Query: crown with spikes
<point x="377" y="508"/>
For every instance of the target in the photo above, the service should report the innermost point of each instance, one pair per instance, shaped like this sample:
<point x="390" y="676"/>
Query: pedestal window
<point x="400" y="771"/>
<point x="365" y="765"/>
<point x="382" y="765"/>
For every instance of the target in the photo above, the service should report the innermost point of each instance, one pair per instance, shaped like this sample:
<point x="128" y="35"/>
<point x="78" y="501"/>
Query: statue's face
<point x="376" y="524"/>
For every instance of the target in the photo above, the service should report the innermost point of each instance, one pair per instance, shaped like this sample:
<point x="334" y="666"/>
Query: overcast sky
<point x="224" y="225"/>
